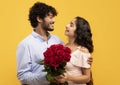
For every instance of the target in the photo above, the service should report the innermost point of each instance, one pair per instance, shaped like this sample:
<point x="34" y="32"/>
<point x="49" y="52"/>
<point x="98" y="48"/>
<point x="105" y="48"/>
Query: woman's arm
<point x="85" y="78"/>
<point x="80" y="79"/>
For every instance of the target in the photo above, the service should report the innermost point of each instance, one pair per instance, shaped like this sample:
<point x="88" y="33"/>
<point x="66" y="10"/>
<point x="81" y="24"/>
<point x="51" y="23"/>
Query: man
<point x="30" y="50"/>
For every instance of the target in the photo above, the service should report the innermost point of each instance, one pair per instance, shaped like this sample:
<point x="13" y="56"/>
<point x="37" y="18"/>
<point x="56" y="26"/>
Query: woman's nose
<point x="67" y="25"/>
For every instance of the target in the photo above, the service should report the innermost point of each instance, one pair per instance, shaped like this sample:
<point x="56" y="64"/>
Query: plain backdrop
<point x="104" y="19"/>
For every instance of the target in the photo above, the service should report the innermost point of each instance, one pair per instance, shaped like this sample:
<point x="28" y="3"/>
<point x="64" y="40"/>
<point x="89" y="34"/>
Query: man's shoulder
<point x="26" y="40"/>
<point x="54" y="36"/>
<point x="56" y="39"/>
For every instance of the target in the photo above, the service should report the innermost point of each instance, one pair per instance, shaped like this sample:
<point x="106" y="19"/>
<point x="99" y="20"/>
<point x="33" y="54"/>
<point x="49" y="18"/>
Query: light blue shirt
<point x="29" y="53"/>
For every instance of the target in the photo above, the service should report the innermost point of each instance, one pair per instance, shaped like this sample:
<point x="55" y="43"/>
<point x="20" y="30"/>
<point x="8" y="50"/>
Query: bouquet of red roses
<point x="55" y="59"/>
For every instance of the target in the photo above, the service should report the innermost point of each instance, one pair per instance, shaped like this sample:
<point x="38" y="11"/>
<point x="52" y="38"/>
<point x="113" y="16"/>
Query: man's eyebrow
<point x="49" y="14"/>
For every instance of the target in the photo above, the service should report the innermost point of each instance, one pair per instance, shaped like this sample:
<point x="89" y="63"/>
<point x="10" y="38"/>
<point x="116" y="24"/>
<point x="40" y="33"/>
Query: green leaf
<point x="49" y="77"/>
<point x="41" y="62"/>
<point x="44" y="70"/>
<point x="63" y="64"/>
<point x="66" y="83"/>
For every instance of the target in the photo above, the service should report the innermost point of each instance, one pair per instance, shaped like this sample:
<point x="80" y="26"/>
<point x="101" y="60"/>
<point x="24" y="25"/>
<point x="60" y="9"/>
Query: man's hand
<point x="90" y="60"/>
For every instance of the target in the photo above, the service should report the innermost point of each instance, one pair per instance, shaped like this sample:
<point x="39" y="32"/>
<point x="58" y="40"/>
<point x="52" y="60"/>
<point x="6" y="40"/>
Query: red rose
<point x="66" y="49"/>
<point x="55" y="59"/>
<point x="66" y="57"/>
<point x="60" y="52"/>
<point x="56" y="54"/>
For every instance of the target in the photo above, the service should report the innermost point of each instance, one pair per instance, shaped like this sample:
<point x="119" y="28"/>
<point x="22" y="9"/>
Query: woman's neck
<point x="71" y="44"/>
<point x="71" y="41"/>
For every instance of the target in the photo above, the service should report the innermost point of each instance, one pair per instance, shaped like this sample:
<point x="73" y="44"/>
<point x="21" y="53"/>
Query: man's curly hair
<point x="40" y="10"/>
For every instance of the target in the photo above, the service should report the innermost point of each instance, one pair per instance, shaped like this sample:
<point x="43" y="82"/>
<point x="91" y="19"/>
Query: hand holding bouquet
<point x="55" y="59"/>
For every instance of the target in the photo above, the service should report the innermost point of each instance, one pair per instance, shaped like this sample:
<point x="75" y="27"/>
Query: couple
<point x="30" y="50"/>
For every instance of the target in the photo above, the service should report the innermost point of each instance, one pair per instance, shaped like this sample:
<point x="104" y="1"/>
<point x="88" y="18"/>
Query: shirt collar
<point x="36" y="35"/>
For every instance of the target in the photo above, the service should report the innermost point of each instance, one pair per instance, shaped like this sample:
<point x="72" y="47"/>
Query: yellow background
<point x="103" y="16"/>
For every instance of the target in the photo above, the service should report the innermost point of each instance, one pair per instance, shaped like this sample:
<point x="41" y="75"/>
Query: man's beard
<point x="49" y="29"/>
<point x="47" y="26"/>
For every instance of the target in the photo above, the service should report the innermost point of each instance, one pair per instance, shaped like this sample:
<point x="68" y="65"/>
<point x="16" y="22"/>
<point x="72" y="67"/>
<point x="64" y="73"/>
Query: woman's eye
<point x="71" y="25"/>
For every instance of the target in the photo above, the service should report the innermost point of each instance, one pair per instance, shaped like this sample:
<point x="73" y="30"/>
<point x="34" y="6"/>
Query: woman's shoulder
<point x="83" y="49"/>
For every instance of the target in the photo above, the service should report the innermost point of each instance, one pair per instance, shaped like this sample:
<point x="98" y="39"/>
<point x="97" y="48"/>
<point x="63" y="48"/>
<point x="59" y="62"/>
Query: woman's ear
<point x="39" y="19"/>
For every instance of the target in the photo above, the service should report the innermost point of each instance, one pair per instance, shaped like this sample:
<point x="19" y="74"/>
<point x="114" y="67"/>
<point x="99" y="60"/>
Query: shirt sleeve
<point x="85" y="57"/>
<point x="80" y="59"/>
<point x="24" y="67"/>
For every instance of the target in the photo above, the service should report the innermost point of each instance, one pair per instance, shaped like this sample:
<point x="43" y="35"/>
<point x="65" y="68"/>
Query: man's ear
<point x="39" y="19"/>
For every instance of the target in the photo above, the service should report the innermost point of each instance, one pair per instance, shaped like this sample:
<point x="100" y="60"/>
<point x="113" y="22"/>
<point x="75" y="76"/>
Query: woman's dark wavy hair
<point x="40" y="10"/>
<point x="84" y="35"/>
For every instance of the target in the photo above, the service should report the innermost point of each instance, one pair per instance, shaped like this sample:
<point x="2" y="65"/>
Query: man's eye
<point x="51" y="17"/>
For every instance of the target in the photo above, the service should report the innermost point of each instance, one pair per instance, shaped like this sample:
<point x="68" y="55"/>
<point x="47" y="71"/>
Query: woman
<point x="80" y="42"/>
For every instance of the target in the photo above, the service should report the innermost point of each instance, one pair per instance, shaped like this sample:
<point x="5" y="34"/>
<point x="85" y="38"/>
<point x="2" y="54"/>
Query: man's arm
<point x="90" y="60"/>
<point x="24" y="66"/>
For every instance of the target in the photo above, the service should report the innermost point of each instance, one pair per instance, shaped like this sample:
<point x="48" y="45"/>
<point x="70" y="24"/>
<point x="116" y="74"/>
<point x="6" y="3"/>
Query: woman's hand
<point x="61" y="78"/>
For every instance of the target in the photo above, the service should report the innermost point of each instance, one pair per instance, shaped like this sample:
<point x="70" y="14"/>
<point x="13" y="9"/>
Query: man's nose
<point x="53" y="20"/>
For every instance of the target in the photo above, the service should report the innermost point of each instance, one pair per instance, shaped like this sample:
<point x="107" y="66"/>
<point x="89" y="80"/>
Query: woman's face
<point x="70" y="28"/>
